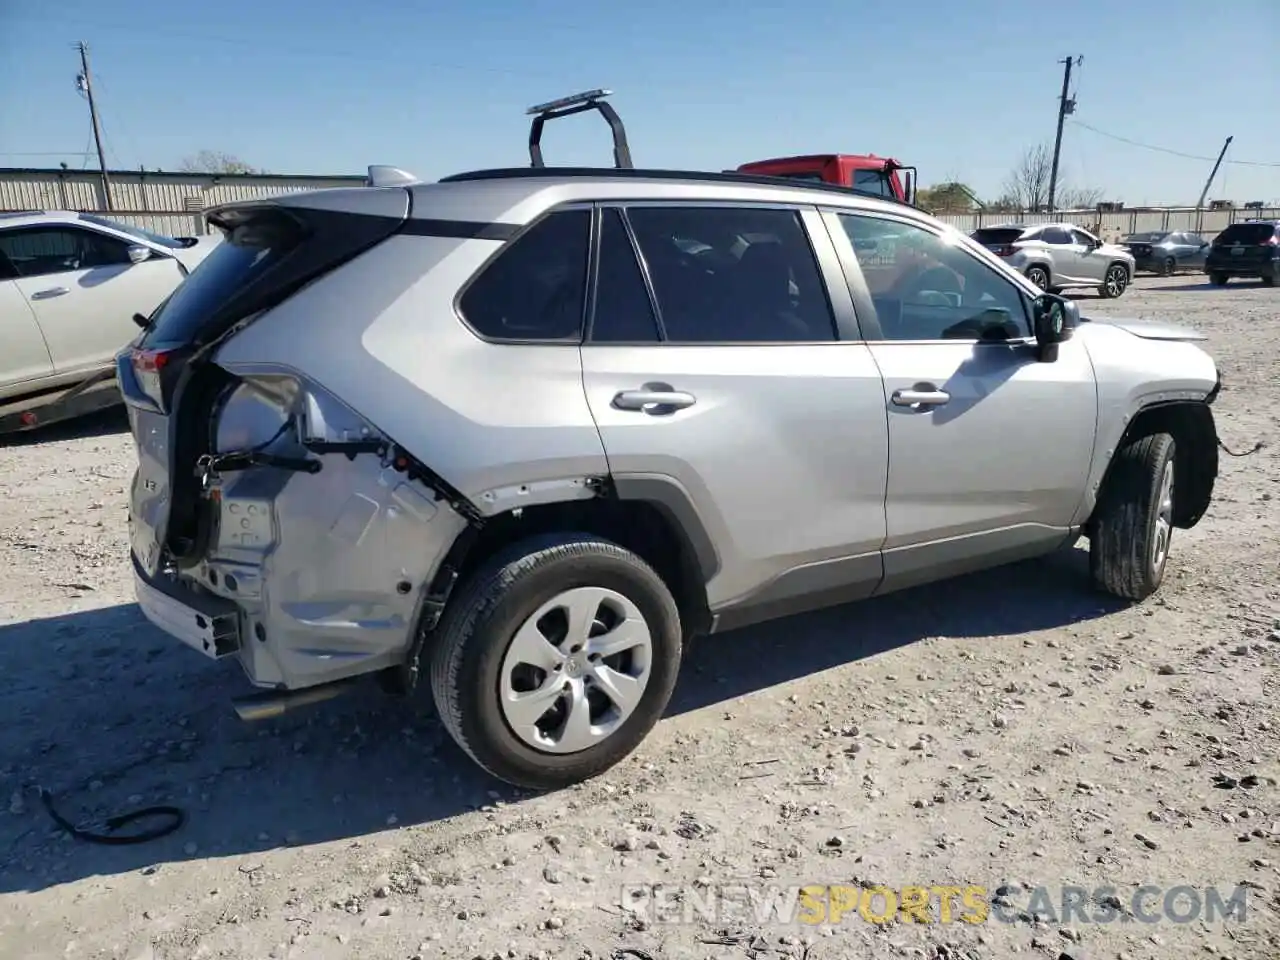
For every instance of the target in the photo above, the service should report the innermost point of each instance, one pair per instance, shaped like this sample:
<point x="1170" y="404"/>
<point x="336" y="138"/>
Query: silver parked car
<point x="1167" y="251"/>
<point x="530" y="430"/>
<point x="1055" y="256"/>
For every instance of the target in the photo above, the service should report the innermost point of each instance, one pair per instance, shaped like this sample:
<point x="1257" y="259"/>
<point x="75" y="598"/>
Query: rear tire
<point x="1169" y="267"/>
<point x="1269" y="280"/>
<point x="1218" y="279"/>
<point x="1132" y="525"/>
<point x="1039" y="276"/>
<point x="499" y="643"/>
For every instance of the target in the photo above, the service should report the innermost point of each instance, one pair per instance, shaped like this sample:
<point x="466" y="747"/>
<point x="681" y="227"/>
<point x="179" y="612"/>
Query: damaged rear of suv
<point x="533" y="429"/>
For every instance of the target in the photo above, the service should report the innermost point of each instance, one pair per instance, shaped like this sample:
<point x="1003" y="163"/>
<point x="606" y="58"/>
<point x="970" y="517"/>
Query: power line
<point x="1171" y="152"/>
<point x="273" y="48"/>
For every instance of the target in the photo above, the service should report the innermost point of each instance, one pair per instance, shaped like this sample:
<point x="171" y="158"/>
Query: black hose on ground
<point x="176" y="818"/>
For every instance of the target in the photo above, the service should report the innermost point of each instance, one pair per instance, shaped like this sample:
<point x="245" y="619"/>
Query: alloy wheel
<point x="1164" y="520"/>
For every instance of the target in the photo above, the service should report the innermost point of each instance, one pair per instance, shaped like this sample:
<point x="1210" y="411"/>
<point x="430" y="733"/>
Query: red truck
<point x="866" y="172"/>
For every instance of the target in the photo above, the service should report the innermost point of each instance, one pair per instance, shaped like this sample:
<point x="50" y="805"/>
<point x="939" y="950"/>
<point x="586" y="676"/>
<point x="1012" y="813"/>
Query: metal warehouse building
<point x="165" y="202"/>
<point x="170" y="203"/>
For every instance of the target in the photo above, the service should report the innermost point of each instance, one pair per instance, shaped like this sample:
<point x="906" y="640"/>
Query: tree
<point x="1027" y="186"/>
<point x="1077" y="198"/>
<point x="951" y="196"/>
<point x="214" y="161"/>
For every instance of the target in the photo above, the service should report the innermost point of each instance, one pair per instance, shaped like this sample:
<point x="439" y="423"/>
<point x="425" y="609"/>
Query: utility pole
<point x="84" y="83"/>
<point x="1065" y="106"/>
<point x="1208" y="183"/>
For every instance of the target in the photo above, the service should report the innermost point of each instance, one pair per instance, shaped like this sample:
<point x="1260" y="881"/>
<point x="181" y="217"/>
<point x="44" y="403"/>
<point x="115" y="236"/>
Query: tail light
<point x="1271" y="241"/>
<point x="147" y="367"/>
<point x="1005" y="250"/>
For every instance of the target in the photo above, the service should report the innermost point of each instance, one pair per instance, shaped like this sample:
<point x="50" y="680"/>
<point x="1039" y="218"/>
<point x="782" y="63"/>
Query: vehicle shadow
<point x="110" y="715"/>
<point x="1206" y="285"/>
<point x="1041" y="594"/>
<point x="101" y="423"/>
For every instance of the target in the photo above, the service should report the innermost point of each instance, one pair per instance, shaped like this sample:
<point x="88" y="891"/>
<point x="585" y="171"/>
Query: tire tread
<point x="1120" y="537"/>
<point x="477" y="598"/>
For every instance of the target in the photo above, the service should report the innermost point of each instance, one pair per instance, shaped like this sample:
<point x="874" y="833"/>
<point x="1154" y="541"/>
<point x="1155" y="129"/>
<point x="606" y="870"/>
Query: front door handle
<point x="50" y="292"/>
<point x="919" y="398"/>
<point x="654" y="398"/>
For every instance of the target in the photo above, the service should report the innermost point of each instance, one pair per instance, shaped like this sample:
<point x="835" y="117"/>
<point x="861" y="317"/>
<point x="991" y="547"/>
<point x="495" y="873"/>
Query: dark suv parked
<point x="1250" y="248"/>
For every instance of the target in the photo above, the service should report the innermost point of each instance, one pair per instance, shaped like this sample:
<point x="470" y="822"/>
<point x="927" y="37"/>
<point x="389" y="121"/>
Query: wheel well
<point x="1195" y="467"/>
<point x="1047" y="268"/>
<point x="1120" y="263"/>
<point x="643" y="527"/>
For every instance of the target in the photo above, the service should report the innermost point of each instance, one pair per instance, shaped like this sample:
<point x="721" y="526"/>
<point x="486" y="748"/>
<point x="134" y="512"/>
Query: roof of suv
<point x="732" y="178"/>
<point x="490" y="200"/>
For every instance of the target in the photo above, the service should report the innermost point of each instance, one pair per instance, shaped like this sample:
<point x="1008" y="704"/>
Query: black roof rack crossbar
<point x="631" y="173"/>
<point x="567" y="107"/>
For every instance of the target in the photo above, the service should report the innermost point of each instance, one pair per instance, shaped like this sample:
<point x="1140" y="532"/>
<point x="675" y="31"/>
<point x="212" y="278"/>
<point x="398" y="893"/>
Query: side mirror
<point x="139" y="253"/>
<point x="1054" y="319"/>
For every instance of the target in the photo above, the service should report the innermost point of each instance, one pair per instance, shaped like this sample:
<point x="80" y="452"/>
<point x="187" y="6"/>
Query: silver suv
<point x="1055" y="256"/>
<point x="532" y="429"/>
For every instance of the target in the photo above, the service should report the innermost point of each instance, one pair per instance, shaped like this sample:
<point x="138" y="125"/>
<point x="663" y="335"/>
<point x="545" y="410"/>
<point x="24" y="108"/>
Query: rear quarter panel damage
<point x="330" y="569"/>
<point x="382" y="334"/>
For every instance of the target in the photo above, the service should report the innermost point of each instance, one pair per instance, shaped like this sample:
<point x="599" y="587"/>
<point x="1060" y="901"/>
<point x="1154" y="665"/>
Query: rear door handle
<point x="656" y="399"/>
<point x="920" y="398"/>
<point x="50" y="292"/>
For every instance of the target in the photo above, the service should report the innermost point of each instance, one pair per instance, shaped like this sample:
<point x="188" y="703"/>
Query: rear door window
<point x="733" y="275"/>
<point x="1056" y="235"/>
<point x="535" y="289"/>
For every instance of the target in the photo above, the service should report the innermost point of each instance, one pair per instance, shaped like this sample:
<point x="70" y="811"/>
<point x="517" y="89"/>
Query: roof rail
<point x="728" y="176"/>
<point x="567" y="107"/>
<point x="382" y="175"/>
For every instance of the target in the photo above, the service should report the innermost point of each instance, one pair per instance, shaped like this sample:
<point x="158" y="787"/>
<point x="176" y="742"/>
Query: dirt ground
<point x="1009" y="729"/>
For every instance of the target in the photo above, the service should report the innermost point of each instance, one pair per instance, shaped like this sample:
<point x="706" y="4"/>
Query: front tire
<point x="1218" y="279"/>
<point x="556" y="659"/>
<point x="1132" y="525"/>
<point x="1115" y="282"/>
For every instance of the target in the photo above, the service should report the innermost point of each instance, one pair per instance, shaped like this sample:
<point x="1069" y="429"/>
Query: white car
<point x="72" y="287"/>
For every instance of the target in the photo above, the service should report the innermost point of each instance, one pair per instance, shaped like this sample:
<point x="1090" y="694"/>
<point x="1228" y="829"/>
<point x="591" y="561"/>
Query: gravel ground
<point x="1011" y="728"/>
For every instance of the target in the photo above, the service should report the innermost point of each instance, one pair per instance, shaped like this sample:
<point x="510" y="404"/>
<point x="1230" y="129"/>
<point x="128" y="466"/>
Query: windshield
<point x="138" y="232"/>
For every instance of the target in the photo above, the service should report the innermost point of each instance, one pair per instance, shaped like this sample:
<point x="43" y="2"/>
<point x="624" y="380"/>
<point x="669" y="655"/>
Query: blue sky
<point x="957" y="89"/>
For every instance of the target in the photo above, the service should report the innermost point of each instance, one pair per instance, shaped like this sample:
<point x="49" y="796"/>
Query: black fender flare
<point x="1191" y="424"/>
<point x="671" y="499"/>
